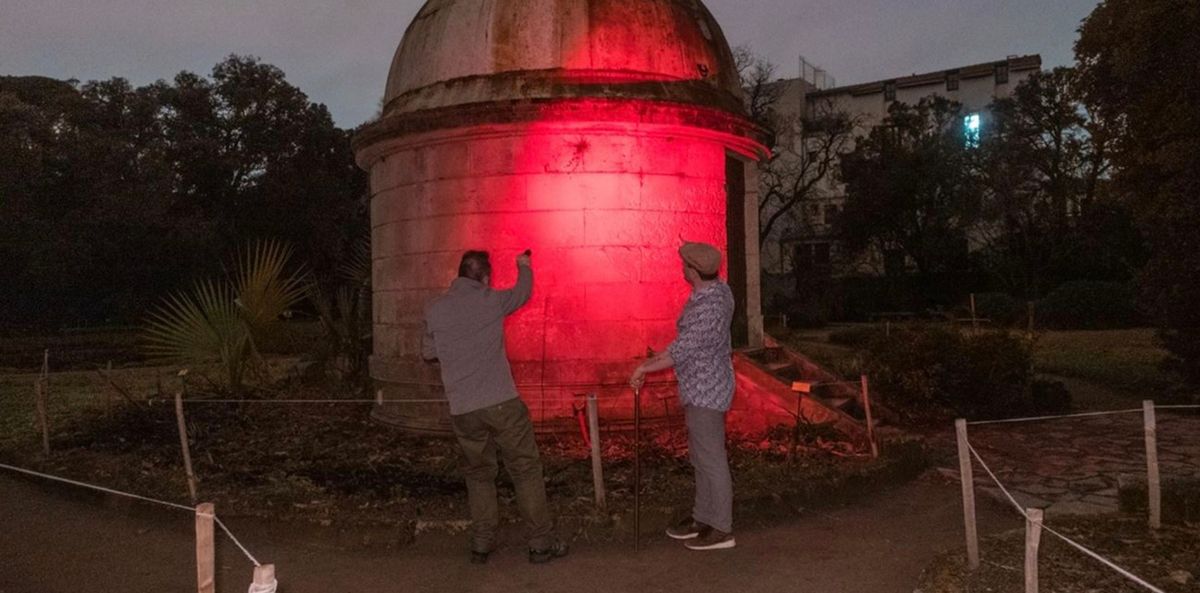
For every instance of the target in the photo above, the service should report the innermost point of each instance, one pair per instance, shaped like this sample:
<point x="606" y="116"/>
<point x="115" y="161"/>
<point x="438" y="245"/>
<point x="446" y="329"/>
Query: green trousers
<point x="503" y="432"/>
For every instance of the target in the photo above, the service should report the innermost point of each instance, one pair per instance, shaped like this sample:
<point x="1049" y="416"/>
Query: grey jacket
<point x="464" y="330"/>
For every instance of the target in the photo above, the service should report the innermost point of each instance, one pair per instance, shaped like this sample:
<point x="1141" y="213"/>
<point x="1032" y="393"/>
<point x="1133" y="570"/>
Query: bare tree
<point x="761" y="89"/>
<point x="803" y="164"/>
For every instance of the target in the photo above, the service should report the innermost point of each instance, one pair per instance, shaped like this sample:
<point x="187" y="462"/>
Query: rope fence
<point x="1060" y="417"/>
<point x="205" y="518"/>
<point x="1034" y="518"/>
<point x="1026" y="514"/>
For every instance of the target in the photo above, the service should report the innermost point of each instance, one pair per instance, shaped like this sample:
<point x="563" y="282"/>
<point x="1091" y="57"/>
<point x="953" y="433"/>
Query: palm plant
<point x="345" y="313"/>
<point x="221" y="320"/>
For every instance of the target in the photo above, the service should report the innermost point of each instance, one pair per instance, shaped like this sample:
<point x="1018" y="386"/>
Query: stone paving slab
<point x="1077" y="465"/>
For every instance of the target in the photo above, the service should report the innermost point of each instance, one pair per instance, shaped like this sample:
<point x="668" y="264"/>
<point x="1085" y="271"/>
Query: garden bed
<point x="1168" y="558"/>
<point x="329" y="465"/>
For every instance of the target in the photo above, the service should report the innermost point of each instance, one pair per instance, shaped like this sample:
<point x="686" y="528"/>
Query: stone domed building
<point x="599" y="134"/>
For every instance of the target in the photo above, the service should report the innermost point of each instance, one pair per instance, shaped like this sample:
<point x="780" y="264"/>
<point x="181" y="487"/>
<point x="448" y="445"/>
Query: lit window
<point x="972" y="128"/>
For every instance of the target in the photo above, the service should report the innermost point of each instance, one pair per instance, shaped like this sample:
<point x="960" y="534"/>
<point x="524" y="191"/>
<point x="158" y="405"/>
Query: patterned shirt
<point x="703" y="350"/>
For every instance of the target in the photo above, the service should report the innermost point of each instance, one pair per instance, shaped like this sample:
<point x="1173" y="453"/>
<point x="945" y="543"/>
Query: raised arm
<point x="515" y="297"/>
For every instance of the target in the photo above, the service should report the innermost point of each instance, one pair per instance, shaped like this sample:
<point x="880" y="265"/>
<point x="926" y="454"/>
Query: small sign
<point x="802" y="387"/>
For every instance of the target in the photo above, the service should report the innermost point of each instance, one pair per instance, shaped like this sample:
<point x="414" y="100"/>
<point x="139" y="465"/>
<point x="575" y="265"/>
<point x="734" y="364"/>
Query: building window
<point x="952" y="79"/>
<point x="831" y="213"/>
<point x="889" y="91"/>
<point x="1002" y="74"/>
<point x="973" y="130"/>
<point x="814" y="258"/>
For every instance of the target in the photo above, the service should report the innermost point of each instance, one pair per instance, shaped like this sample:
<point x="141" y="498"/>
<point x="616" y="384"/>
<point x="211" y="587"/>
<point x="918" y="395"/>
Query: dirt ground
<point x="61" y="541"/>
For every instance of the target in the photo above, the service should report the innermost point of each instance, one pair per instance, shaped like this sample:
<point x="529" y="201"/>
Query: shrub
<point x="1088" y="305"/>
<point x="1180" y="499"/>
<point x="806" y="313"/>
<point x="1001" y="309"/>
<point x="1050" y="397"/>
<point x="925" y="372"/>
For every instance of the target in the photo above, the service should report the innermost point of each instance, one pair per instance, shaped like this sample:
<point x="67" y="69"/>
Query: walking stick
<point x="637" y="469"/>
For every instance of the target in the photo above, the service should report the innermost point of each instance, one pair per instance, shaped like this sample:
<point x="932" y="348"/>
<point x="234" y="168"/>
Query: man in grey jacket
<point x="464" y="331"/>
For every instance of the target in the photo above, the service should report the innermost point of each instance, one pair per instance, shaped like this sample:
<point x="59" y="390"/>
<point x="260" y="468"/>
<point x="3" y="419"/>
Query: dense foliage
<point x="1138" y="60"/>
<point x="929" y="371"/>
<point x="112" y="196"/>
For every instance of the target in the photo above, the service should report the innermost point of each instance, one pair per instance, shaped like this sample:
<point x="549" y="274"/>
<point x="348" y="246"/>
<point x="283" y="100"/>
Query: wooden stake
<point x="593" y="413"/>
<point x="1033" y="539"/>
<point x="379" y="397"/>
<point x="791" y="456"/>
<point x="108" y="393"/>
<point x="206" y="564"/>
<point x="183" y="444"/>
<point x="264" y="577"/>
<point x="968" y="493"/>
<point x="42" y="393"/>
<point x="974" y="318"/>
<point x="39" y="393"/>
<point x="866" y="403"/>
<point x="637" y="470"/>
<point x="1153" y="485"/>
<point x="1030" y="311"/>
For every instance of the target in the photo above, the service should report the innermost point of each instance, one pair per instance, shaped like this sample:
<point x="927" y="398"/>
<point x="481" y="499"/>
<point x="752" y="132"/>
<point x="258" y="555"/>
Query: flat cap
<point x="705" y="258"/>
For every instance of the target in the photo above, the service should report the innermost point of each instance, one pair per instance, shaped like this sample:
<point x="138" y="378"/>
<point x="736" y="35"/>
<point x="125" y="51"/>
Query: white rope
<point x="237" y="543"/>
<point x="1036" y="418"/>
<point x="1178" y="407"/>
<point x="134" y="496"/>
<point x="98" y="488"/>
<point x="1069" y="541"/>
<point x="346" y="401"/>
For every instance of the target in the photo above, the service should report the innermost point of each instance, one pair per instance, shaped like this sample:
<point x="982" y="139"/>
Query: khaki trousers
<point x="503" y="432"/>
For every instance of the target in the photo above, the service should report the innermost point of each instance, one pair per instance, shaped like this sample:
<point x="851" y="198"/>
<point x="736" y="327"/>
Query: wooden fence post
<point x="974" y="317"/>
<point x="206" y="565"/>
<point x="1033" y="539"/>
<point x="264" y="578"/>
<point x="39" y="394"/>
<point x="183" y="443"/>
<point x="108" y="394"/>
<point x="866" y="403"/>
<point x="593" y="413"/>
<point x="968" y="493"/>
<point x="637" y="469"/>
<point x="1153" y="485"/>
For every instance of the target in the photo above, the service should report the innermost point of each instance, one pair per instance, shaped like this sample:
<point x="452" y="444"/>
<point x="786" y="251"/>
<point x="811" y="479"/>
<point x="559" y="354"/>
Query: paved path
<point x="56" y="542"/>
<point x="1076" y="465"/>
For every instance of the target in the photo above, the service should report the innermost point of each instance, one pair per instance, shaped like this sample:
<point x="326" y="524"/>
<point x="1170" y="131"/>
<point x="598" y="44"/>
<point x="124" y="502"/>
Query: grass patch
<point x="1125" y="360"/>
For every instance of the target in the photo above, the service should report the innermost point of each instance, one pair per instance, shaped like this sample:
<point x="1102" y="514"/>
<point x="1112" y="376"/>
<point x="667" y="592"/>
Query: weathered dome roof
<point x="459" y="52"/>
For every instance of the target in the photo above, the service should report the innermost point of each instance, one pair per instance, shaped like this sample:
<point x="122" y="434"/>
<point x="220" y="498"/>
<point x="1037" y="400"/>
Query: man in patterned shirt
<point x="702" y="356"/>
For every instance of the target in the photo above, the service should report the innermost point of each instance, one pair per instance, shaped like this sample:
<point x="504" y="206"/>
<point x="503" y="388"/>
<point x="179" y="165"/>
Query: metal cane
<point x="637" y="469"/>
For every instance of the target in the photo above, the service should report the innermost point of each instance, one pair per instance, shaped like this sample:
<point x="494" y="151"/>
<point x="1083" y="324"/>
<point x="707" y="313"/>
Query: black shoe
<point x="688" y="528"/>
<point x="479" y="557"/>
<point x="712" y="539"/>
<point x="557" y="550"/>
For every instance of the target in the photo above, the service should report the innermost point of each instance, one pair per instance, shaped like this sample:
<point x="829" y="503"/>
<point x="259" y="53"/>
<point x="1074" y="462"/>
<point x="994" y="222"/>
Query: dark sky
<point x="338" y="52"/>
